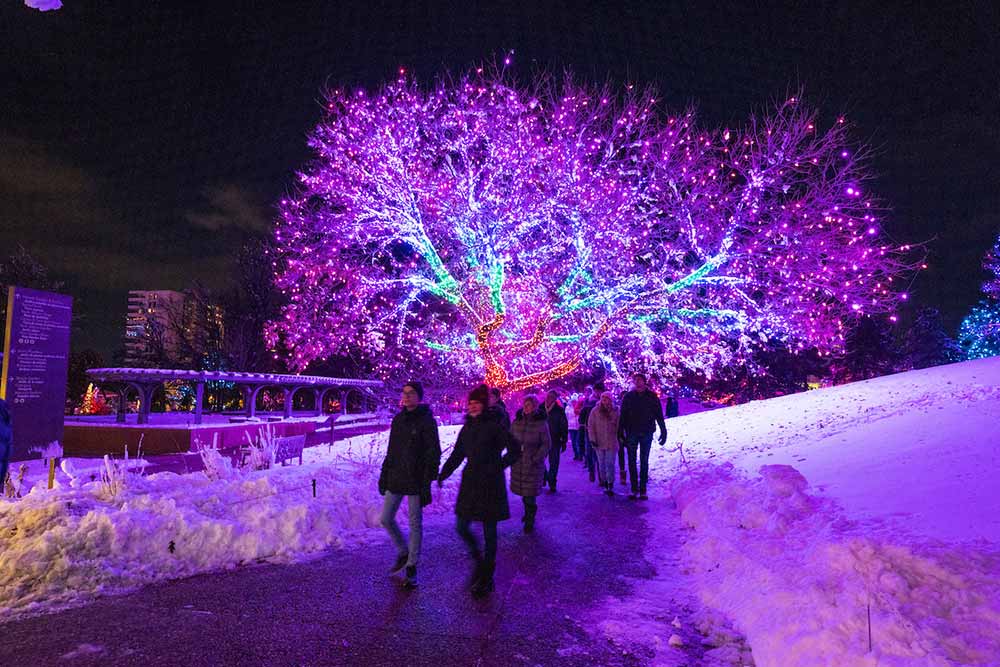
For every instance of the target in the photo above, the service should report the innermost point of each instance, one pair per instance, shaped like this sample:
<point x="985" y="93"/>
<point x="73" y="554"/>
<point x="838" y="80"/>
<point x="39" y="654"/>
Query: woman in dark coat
<point x="527" y="476"/>
<point x="482" y="495"/>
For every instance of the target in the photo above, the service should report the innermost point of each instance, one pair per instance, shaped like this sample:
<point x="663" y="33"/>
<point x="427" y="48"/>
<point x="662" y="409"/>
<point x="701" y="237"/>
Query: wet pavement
<point x="341" y="609"/>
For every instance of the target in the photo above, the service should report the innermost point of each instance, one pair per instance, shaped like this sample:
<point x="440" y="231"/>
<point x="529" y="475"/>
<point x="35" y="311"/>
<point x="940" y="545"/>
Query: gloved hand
<point x="663" y="439"/>
<point x="440" y="482"/>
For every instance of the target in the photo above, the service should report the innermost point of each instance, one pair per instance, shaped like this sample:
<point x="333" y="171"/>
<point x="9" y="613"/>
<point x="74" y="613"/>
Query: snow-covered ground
<point x="66" y="545"/>
<point x="922" y="447"/>
<point x="877" y="516"/>
<point x="879" y="547"/>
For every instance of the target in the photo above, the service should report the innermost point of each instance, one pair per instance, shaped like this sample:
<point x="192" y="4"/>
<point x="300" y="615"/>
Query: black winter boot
<point x="400" y="563"/>
<point x="411" y="577"/>
<point x="485" y="585"/>
<point x="477" y="571"/>
<point x="529" y="520"/>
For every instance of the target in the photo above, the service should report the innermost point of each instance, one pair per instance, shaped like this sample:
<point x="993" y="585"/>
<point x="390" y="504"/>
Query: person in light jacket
<point x="527" y="476"/>
<point x="573" y="426"/>
<point x="602" y="428"/>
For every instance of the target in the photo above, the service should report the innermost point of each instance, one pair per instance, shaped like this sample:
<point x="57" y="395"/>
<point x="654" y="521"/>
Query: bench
<point x="288" y="448"/>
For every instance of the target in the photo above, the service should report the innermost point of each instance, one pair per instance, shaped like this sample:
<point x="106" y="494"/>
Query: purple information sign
<point x="35" y="363"/>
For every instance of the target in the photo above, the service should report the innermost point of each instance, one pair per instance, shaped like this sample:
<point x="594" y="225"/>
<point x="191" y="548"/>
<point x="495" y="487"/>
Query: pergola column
<point x="317" y="401"/>
<point x="122" y="407"/>
<point x="199" y="395"/>
<point x="252" y="393"/>
<point x="289" y="394"/>
<point x="145" y="400"/>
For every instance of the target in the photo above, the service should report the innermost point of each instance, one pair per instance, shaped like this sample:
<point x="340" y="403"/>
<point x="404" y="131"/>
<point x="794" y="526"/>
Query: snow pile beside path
<point x="63" y="546"/>
<point x="71" y="543"/>
<point x="921" y="447"/>
<point x="797" y="578"/>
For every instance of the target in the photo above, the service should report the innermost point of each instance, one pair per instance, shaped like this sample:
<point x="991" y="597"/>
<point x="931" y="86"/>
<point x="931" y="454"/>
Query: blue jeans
<point x="606" y="458"/>
<point x="641" y="444"/>
<point x="416" y="515"/>
<point x="574" y="438"/>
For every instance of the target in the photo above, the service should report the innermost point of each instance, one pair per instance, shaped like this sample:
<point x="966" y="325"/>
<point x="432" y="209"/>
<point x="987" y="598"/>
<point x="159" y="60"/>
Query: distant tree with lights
<point x="979" y="333"/>
<point x="480" y="228"/>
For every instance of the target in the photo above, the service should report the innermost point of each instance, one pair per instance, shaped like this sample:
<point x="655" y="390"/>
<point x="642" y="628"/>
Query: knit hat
<point x="417" y="387"/>
<point x="480" y="394"/>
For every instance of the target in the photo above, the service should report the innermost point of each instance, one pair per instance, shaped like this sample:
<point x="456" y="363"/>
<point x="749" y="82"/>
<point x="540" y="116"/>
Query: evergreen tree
<point x="870" y="350"/>
<point x="991" y="264"/>
<point x="927" y="344"/>
<point x="979" y="335"/>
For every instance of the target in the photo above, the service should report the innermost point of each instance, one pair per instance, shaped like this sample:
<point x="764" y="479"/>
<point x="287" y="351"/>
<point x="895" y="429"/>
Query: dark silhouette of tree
<point x="870" y="350"/>
<point x="926" y="343"/>
<point x="21" y="269"/>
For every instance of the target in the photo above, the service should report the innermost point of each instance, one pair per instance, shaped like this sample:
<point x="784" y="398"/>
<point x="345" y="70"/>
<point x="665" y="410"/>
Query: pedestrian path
<point x="341" y="609"/>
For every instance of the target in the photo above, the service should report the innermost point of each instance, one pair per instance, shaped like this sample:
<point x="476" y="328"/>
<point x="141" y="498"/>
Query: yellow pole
<point x="6" y="342"/>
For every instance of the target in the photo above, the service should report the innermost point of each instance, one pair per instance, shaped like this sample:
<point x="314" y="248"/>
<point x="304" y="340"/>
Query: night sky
<point x="141" y="142"/>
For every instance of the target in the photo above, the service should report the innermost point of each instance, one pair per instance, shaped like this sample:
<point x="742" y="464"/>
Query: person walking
<point x="602" y="427"/>
<point x="482" y="494"/>
<point x="641" y="412"/>
<point x="573" y="426"/>
<point x="672" y="408"/>
<point x="555" y="415"/>
<point x="622" y="463"/>
<point x="410" y="465"/>
<point x="527" y="475"/>
<point x="497" y="409"/>
<point x="6" y="442"/>
<point x="587" y="404"/>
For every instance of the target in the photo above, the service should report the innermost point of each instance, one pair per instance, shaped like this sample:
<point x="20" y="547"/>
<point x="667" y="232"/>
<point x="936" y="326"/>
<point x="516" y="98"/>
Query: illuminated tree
<point x="481" y="228"/>
<point x="979" y="334"/>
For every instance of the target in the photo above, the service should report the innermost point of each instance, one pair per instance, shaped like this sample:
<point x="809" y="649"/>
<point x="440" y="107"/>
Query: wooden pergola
<point x="145" y="381"/>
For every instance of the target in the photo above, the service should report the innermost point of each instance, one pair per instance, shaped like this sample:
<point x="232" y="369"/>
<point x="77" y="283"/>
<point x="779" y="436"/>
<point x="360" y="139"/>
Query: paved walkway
<point x="341" y="609"/>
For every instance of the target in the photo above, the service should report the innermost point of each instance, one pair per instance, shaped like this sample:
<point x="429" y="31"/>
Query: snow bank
<point x="64" y="545"/>
<point x="798" y="578"/>
<point x="922" y="447"/>
<point x="68" y="544"/>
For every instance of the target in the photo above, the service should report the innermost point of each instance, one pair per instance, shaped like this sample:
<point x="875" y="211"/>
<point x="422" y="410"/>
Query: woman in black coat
<point x="482" y="495"/>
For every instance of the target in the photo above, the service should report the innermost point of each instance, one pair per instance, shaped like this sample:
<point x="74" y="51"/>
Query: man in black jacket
<point x="411" y="464"/>
<point x="555" y="414"/>
<point x="641" y="412"/>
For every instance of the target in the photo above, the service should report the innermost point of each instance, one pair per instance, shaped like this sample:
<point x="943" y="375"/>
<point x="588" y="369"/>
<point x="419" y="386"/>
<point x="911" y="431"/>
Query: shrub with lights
<point x="480" y="228"/>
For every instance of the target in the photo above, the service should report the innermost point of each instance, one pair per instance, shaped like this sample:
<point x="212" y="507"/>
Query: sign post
<point x="35" y="364"/>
